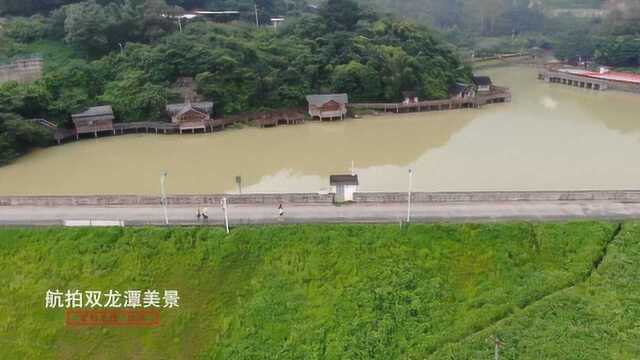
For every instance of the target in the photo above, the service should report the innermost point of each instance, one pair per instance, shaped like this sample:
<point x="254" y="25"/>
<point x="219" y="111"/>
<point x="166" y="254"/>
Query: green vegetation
<point x="595" y="319"/>
<point x="375" y="292"/>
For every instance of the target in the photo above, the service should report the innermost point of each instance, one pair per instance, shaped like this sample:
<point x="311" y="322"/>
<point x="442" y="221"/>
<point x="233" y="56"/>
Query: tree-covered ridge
<point x="608" y="36"/>
<point x="129" y="55"/>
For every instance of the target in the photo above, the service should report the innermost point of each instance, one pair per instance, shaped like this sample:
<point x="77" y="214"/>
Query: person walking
<point x="280" y="210"/>
<point x="198" y="214"/>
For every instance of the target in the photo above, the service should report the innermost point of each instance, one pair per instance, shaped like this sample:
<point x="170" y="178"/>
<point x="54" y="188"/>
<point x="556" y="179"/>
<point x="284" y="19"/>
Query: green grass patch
<point x="325" y="292"/>
<point x="54" y="53"/>
<point x="597" y="319"/>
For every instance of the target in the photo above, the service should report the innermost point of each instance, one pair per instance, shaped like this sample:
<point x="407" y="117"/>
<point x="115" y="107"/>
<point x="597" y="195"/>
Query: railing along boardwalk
<point x="499" y="57"/>
<point x="497" y="95"/>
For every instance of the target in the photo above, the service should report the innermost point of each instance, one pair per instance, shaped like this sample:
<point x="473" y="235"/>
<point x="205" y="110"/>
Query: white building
<point x="344" y="186"/>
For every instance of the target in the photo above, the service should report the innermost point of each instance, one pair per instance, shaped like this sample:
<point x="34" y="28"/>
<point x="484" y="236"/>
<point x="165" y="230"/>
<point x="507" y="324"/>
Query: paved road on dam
<point x="324" y="213"/>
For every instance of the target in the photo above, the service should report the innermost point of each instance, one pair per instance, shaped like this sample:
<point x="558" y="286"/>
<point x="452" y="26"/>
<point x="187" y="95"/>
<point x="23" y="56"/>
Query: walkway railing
<point x="497" y="94"/>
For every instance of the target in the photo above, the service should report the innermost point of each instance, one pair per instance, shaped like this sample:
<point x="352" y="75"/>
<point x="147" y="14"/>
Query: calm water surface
<point x="551" y="137"/>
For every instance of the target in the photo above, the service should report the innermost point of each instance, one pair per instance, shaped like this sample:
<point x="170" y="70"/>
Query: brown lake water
<point x="551" y="137"/>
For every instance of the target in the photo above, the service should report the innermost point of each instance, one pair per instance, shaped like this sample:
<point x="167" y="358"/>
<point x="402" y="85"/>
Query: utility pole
<point x="255" y="6"/>
<point x="163" y="176"/>
<point x="223" y="202"/>
<point x="409" y="196"/>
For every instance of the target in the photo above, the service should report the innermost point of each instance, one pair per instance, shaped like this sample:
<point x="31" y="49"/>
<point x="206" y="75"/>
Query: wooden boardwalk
<point x="261" y="119"/>
<point x="497" y="95"/>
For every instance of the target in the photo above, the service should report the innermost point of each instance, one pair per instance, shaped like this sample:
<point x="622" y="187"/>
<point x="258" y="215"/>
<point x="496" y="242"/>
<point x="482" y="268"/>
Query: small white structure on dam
<point x="344" y="186"/>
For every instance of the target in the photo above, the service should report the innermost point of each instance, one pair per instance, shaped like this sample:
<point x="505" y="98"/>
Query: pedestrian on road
<point x="280" y="210"/>
<point x="205" y="214"/>
<point x="198" y="213"/>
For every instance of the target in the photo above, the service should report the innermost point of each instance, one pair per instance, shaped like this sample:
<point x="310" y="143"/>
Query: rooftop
<point x="482" y="80"/>
<point x="458" y="88"/>
<point x="206" y="106"/>
<point x="343" y="180"/>
<point x="319" y="100"/>
<point x="105" y="110"/>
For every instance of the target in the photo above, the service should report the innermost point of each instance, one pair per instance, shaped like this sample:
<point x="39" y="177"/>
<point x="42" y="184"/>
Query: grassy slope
<point x="54" y="53"/>
<point x="597" y="319"/>
<point x="302" y="291"/>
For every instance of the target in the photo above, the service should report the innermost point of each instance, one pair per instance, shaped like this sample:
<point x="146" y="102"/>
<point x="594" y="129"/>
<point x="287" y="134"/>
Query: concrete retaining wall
<point x="631" y="196"/>
<point x="619" y="196"/>
<point x="22" y="71"/>
<point x="623" y="86"/>
<point x="186" y="200"/>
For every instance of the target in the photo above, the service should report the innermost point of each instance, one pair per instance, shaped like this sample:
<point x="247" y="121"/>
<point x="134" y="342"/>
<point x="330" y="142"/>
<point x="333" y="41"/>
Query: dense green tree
<point x="341" y="14"/>
<point x="17" y="136"/>
<point x="29" y="100"/>
<point x="86" y="25"/>
<point x="358" y="79"/>
<point x="618" y="51"/>
<point x="134" y="98"/>
<point x="26" y="30"/>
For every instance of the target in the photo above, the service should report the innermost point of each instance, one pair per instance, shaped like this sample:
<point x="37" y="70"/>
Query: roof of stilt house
<point x="319" y="100"/>
<point x="95" y="113"/>
<point x="190" y="107"/>
<point x="458" y="88"/>
<point x="177" y="109"/>
<point x="482" y="80"/>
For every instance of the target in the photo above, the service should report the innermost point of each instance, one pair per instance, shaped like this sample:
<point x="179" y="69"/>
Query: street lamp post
<point x="226" y="216"/>
<point x="163" y="176"/>
<point x="409" y="196"/>
<point x="255" y="7"/>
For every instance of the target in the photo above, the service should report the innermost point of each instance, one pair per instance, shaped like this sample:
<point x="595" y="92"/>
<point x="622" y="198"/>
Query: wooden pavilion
<point x="330" y="106"/>
<point x="94" y="120"/>
<point x="191" y="116"/>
